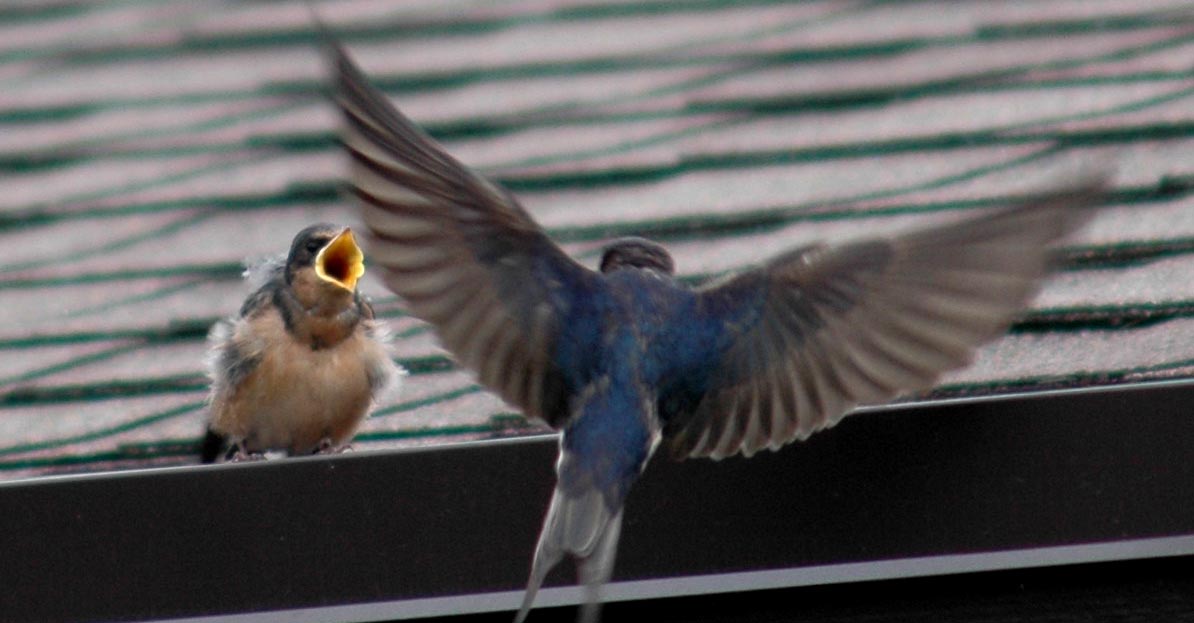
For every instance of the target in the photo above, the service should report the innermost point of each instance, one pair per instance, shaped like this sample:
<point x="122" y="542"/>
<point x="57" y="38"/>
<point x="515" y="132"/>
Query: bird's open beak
<point x="341" y="261"/>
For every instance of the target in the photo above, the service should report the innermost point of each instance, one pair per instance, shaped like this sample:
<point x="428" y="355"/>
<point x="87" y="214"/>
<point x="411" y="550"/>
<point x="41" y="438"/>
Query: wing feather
<point x="462" y="253"/>
<point x="819" y="330"/>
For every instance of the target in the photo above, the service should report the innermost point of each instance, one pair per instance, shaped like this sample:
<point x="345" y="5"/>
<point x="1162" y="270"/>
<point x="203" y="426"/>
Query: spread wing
<point x="817" y="331"/>
<point x="463" y="254"/>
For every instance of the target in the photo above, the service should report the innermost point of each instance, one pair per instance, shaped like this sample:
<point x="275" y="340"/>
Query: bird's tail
<point x="584" y="525"/>
<point x="212" y="445"/>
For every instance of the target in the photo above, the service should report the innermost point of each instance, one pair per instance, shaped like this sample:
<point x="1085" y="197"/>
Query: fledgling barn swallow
<point x="298" y="369"/>
<point x="625" y="357"/>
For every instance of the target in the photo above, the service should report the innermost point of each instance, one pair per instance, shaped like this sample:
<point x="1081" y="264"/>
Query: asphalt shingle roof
<point x="148" y="147"/>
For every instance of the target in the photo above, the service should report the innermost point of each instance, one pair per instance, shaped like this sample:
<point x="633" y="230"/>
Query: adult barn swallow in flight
<point x="301" y="365"/>
<point x="626" y="357"/>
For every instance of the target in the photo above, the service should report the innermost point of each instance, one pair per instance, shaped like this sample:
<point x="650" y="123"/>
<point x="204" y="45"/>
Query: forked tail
<point x="582" y="525"/>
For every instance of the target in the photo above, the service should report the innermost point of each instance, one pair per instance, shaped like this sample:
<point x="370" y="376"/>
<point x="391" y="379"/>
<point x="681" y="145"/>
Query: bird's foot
<point x="238" y="454"/>
<point x="327" y="446"/>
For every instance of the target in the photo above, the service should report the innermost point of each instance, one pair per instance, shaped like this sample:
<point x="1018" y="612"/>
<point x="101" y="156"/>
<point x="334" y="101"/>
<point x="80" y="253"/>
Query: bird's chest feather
<point x="298" y="395"/>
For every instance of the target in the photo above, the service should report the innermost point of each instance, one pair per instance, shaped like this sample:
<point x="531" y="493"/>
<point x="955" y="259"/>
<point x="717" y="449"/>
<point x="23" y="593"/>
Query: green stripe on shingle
<point x="103" y="432"/>
<point x="944" y="142"/>
<point x="1103" y="317"/>
<point x="41" y="11"/>
<point x="412" y="27"/>
<point x="70" y="364"/>
<point x="620" y="176"/>
<point x="501" y="423"/>
<point x="1047" y="320"/>
<point x="111" y="245"/>
<point x="305" y="193"/>
<point x="381" y="29"/>
<point x="739" y="62"/>
<point x="210" y="272"/>
<point x="187" y="450"/>
<point x="1087" y="378"/>
<point x="42" y="215"/>
<point x="175" y="330"/>
<point x="148" y="385"/>
<point x="108" y="390"/>
<point x="741" y="109"/>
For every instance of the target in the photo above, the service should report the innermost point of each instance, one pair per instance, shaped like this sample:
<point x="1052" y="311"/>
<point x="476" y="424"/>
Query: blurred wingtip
<point x="1077" y="189"/>
<point x="322" y="33"/>
<point x="1089" y="177"/>
<point x="329" y="45"/>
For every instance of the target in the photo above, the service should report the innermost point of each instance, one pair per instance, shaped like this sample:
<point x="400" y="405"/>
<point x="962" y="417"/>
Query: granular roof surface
<point x="148" y="147"/>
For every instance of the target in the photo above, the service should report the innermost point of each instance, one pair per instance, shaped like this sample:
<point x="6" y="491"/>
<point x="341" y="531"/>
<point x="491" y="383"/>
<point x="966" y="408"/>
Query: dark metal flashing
<point x="1144" y="591"/>
<point x="1018" y="481"/>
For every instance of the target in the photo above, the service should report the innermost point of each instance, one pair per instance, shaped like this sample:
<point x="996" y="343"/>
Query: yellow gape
<point x="341" y="261"/>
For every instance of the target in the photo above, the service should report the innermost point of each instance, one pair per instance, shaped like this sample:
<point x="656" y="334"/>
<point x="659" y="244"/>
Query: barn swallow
<point x="298" y="369"/>
<point x="625" y="358"/>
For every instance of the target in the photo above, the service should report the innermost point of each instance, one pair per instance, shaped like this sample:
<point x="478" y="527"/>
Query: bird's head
<point x="330" y="252"/>
<point x="636" y="253"/>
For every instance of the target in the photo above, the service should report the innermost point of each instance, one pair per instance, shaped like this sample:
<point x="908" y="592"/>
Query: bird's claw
<point x="326" y="446"/>
<point x="238" y="455"/>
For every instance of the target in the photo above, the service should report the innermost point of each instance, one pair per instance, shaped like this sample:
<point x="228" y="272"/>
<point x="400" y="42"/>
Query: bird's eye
<point x="315" y="245"/>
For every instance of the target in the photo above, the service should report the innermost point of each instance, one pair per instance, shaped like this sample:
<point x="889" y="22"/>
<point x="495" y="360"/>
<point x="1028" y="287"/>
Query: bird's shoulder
<point x="261" y="321"/>
<point x="262" y="299"/>
<point x="364" y="306"/>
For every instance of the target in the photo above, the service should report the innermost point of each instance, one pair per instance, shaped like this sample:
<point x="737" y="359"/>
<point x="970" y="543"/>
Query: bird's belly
<point x="296" y="397"/>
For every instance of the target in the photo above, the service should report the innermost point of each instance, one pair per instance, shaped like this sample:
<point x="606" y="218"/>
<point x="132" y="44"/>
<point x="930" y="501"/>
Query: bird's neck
<point x="320" y="319"/>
